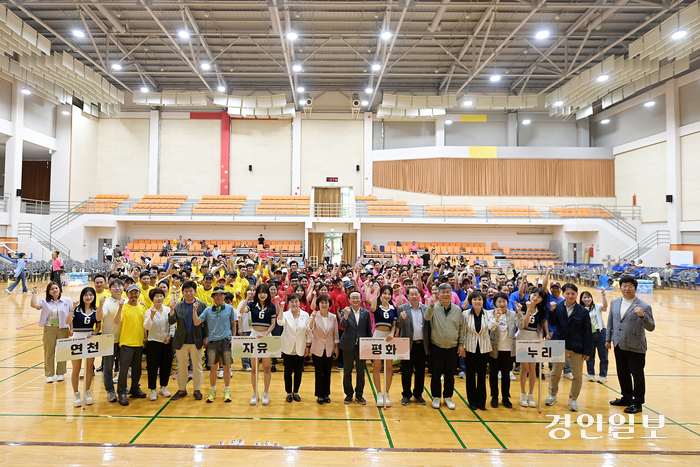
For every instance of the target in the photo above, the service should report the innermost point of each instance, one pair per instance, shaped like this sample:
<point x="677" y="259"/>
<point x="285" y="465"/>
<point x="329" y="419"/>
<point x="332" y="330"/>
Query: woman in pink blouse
<point x="54" y="310"/>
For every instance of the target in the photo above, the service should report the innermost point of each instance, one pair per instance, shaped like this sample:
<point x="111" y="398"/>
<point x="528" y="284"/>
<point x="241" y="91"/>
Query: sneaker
<point x="523" y="399"/>
<point x="60" y="378"/>
<point x="450" y="405"/>
<point x="227" y="395"/>
<point x="164" y="392"/>
<point x="248" y="368"/>
<point x="419" y="399"/>
<point x="123" y="400"/>
<point x="462" y="375"/>
<point x="220" y="373"/>
<point x="569" y="376"/>
<point x="49" y="380"/>
<point x="591" y="378"/>
<point x="211" y="396"/>
<point x="197" y="395"/>
<point x="153" y="396"/>
<point x="499" y="375"/>
<point x="274" y="369"/>
<point x="111" y="396"/>
<point x="550" y="400"/>
<point x="254" y="399"/>
<point x="88" y="397"/>
<point x="340" y="366"/>
<point x="179" y="395"/>
<point x="380" y="399"/>
<point x="602" y="379"/>
<point x="436" y="403"/>
<point x="115" y="380"/>
<point x="265" y="398"/>
<point x="507" y="404"/>
<point x="531" y="400"/>
<point x="442" y="377"/>
<point x="347" y="400"/>
<point x="494" y="402"/>
<point x="77" y="400"/>
<point x="387" y="401"/>
<point x="405" y="400"/>
<point x="573" y="406"/>
<point x="360" y="400"/>
<point x="512" y="376"/>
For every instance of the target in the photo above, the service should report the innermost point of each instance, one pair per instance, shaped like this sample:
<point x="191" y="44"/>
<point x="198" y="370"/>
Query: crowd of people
<point x="460" y="319"/>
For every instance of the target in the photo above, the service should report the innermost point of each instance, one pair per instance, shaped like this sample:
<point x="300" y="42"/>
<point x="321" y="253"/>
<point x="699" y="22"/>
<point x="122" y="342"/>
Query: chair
<point x="690" y="279"/>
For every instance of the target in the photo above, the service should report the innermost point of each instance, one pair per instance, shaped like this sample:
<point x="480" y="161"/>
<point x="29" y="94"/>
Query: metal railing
<point x="36" y="206"/>
<point x="334" y="210"/>
<point x="3" y="203"/>
<point x="27" y="229"/>
<point x="633" y="253"/>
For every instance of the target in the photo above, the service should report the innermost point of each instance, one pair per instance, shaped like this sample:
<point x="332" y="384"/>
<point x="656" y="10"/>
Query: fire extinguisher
<point x="634" y="200"/>
<point x="591" y="252"/>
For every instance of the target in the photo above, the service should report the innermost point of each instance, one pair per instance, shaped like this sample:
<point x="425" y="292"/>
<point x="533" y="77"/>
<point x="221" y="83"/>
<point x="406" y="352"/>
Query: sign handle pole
<point x="539" y="387"/>
<point x="386" y="382"/>
<point x="84" y="365"/>
<point x="257" y="378"/>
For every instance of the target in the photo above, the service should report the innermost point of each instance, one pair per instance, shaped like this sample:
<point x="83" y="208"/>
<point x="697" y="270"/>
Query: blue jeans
<point x="108" y="368"/>
<point x="599" y="345"/>
<point x="22" y="278"/>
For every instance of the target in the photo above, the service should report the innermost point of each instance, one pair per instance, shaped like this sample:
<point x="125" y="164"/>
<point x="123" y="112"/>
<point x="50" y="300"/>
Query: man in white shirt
<point x="109" y="253"/>
<point x="110" y="308"/>
<point x="412" y="324"/>
<point x="217" y="252"/>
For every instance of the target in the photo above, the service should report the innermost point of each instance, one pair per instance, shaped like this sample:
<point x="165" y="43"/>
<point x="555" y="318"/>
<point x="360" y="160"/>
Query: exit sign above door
<point x="332" y="179"/>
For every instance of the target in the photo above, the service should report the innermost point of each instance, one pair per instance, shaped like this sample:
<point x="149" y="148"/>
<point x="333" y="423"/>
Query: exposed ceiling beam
<point x="92" y="39"/>
<point x="277" y="27"/>
<point x="206" y="48"/>
<point x="438" y="16"/>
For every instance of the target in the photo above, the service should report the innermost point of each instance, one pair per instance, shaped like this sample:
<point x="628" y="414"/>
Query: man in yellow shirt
<point x="146" y="286"/>
<point x="100" y="287"/>
<point x="204" y="292"/>
<point x="131" y="343"/>
<point x="237" y="286"/>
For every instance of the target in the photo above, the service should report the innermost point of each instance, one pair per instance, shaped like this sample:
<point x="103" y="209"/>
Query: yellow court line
<point x="347" y="417"/>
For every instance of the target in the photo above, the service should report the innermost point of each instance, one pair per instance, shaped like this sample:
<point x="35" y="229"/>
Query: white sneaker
<point x="591" y="378"/>
<point x="442" y="377"/>
<point x="550" y="400"/>
<point x="569" y="376"/>
<point x="523" y="399"/>
<point x="531" y="401"/>
<point x="436" y="403"/>
<point x="220" y="373"/>
<point x="60" y="378"/>
<point x="450" y="405"/>
<point x="512" y="376"/>
<point x="387" y="400"/>
<point x="153" y="395"/>
<point x="380" y="399"/>
<point x="49" y="380"/>
<point x="248" y="368"/>
<point x="88" y="397"/>
<point x="265" y="398"/>
<point x="462" y="375"/>
<point x="602" y="379"/>
<point x="499" y="375"/>
<point x="164" y="392"/>
<point x="254" y="399"/>
<point x="573" y="406"/>
<point x="77" y="400"/>
<point x="115" y="380"/>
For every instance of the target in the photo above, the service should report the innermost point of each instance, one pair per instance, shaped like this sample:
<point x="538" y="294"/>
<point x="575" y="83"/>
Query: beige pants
<point x="576" y="370"/>
<point x="51" y="334"/>
<point x="182" y="361"/>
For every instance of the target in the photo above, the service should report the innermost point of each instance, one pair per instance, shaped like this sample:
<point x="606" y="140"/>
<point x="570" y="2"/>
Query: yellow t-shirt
<point x="145" y="298"/>
<point x="205" y="295"/>
<point x="105" y="293"/>
<point x="132" y="325"/>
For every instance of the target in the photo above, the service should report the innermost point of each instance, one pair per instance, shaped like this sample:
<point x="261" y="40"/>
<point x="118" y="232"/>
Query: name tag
<point x="54" y="322"/>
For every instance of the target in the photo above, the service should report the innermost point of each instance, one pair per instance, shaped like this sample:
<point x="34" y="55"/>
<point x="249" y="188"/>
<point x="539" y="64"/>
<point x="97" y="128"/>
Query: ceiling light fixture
<point x="376" y="67"/>
<point x="602" y="78"/>
<point x="542" y="34"/>
<point x="386" y="35"/>
<point x="78" y="33"/>
<point x="296" y="67"/>
<point x="605" y="121"/>
<point x="300" y="89"/>
<point x="292" y="36"/>
<point x="526" y="121"/>
<point x="680" y="34"/>
<point x="65" y="112"/>
<point x="649" y="104"/>
<point x="144" y="89"/>
<point x="221" y="88"/>
<point x="558" y="103"/>
<point x="26" y="91"/>
<point x="205" y="66"/>
<point x="448" y="121"/>
<point x="116" y="66"/>
<point x="495" y="78"/>
<point x="183" y="34"/>
<point x="368" y="90"/>
<point x="365" y="102"/>
<point x="467" y="103"/>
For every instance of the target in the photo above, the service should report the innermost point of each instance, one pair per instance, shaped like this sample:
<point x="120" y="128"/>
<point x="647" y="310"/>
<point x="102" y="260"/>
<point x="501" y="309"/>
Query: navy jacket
<point x="575" y="330"/>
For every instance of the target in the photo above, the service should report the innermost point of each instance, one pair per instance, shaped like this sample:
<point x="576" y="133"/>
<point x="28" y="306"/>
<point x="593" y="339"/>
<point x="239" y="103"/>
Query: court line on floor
<point x="78" y="415"/>
<point x="13" y="356"/>
<point x="674" y="350"/>
<point x="482" y="421"/>
<point x="19" y="373"/>
<point x="149" y="422"/>
<point x="381" y="414"/>
<point x="454" y="432"/>
<point x="282" y="419"/>
<point x="665" y="354"/>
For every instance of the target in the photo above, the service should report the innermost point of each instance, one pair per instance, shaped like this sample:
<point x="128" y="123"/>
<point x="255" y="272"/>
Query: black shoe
<point x="621" y="403"/>
<point x="99" y="368"/>
<point x="494" y="402"/>
<point x="340" y="366"/>
<point x="360" y="399"/>
<point x="320" y="401"/>
<point x="405" y="400"/>
<point x="634" y="408"/>
<point x="327" y="400"/>
<point x="348" y="400"/>
<point x="178" y="395"/>
<point x="507" y="404"/>
<point x="138" y="394"/>
<point x="289" y="398"/>
<point x="483" y="407"/>
<point x="123" y="400"/>
<point x="274" y="369"/>
<point x="297" y="397"/>
<point x="419" y="399"/>
<point x="198" y="395"/>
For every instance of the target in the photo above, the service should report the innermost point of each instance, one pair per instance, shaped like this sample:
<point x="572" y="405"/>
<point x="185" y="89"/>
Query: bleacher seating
<point x="158" y="204"/>
<point x="580" y="212"/>
<point x="284" y="205"/>
<point x="510" y="211"/>
<point x="458" y="211"/>
<point x="220" y="204"/>
<point x="365" y="198"/>
<point x="153" y="247"/>
<point x="102" y="204"/>
<point x="388" y="208"/>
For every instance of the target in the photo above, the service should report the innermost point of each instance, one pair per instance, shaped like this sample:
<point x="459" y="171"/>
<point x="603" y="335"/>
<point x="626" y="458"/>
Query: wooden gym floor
<point x="38" y="423"/>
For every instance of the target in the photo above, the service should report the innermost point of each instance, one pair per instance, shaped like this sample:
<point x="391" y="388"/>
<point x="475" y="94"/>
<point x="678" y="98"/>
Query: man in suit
<point x="356" y="322"/>
<point x="412" y="324"/>
<point x="188" y="340"/>
<point x="572" y="324"/>
<point x="628" y="319"/>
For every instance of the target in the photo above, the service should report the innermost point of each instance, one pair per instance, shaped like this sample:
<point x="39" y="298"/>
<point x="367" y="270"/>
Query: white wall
<point x="331" y="148"/>
<point x="5" y="99"/>
<point x="40" y="115"/>
<point x="690" y="168"/>
<point x="83" y="178"/>
<point x="267" y="146"/>
<point x="642" y="172"/>
<point x="190" y="156"/>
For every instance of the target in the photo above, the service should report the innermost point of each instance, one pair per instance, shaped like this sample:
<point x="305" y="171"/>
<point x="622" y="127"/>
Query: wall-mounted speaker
<point x="250" y="168"/>
<point x="20" y="192"/>
<point x="357" y="167"/>
<point x="669" y="198"/>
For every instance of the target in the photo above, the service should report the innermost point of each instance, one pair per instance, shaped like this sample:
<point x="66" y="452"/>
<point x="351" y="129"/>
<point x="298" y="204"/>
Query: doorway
<point x="102" y="244"/>
<point x="335" y="242"/>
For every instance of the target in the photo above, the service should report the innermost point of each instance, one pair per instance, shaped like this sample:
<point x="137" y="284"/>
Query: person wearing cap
<point x="131" y="341"/>
<point x="204" y="292"/>
<point x="220" y="320"/>
<point x="188" y="340"/>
